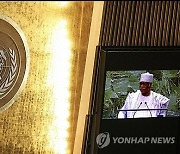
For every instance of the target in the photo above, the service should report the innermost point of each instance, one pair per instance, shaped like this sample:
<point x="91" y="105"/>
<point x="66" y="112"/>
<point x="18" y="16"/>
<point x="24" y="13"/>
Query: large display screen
<point x="126" y="73"/>
<point x="136" y="96"/>
<point x="123" y="97"/>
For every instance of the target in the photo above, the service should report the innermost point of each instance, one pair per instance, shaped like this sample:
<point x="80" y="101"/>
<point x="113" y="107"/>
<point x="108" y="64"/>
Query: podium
<point x="134" y="111"/>
<point x="156" y="135"/>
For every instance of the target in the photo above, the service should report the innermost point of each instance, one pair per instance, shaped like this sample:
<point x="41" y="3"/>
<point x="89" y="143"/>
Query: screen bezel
<point x="123" y="58"/>
<point x="136" y="58"/>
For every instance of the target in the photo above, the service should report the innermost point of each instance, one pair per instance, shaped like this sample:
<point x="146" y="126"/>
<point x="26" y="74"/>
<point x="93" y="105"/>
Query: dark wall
<point x="140" y="23"/>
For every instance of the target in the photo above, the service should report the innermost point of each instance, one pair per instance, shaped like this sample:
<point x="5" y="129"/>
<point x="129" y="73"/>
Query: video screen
<point x="141" y="94"/>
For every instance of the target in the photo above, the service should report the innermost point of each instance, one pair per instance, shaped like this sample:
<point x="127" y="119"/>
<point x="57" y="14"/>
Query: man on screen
<point x="144" y="102"/>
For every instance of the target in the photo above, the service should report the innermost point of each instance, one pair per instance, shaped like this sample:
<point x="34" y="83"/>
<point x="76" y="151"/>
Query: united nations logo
<point x="14" y="61"/>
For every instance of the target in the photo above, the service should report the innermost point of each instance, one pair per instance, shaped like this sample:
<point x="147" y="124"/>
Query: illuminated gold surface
<point x="43" y="119"/>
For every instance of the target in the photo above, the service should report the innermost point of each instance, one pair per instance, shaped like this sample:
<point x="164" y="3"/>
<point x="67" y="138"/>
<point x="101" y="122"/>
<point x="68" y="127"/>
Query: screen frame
<point x="108" y="59"/>
<point x="141" y="58"/>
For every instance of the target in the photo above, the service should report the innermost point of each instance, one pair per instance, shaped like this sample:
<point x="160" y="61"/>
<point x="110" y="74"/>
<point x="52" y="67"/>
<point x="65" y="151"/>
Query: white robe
<point x="136" y="101"/>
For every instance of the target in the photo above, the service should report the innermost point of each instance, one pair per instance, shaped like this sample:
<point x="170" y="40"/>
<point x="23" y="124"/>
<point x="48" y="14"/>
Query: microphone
<point x="148" y="108"/>
<point x="137" y="109"/>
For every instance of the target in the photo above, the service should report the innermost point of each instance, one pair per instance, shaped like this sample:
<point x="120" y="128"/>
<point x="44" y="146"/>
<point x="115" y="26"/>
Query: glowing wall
<point x="44" y="117"/>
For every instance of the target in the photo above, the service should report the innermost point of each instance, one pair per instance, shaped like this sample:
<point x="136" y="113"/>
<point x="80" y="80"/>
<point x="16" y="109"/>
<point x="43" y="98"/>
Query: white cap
<point x="146" y="77"/>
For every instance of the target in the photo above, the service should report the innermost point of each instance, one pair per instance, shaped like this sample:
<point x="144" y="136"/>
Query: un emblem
<point x="14" y="61"/>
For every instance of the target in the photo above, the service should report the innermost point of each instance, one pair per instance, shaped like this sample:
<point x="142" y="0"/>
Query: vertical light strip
<point x="59" y="80"/>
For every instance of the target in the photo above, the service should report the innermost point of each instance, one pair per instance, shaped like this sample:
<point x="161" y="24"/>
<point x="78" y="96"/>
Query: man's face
<point x="145" y="88"/>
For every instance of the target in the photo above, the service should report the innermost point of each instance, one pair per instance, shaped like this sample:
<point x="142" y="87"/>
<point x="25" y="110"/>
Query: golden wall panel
<point x="30" y="124"/>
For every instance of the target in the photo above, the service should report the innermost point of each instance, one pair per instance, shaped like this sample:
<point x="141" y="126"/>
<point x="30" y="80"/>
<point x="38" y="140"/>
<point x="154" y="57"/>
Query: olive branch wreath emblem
<point x="12" y="73"/>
